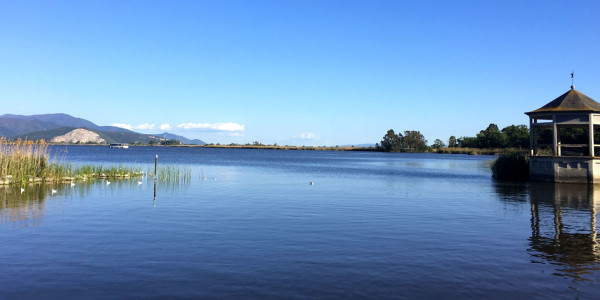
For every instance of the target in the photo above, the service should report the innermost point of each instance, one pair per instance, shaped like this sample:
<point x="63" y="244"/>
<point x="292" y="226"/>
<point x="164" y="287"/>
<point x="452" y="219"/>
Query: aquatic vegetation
<point x="174" y="174"/>
<point x="20" y="159"/>
<point x="23" y="161"/>
<point x="511" y="166"/>
<point x="477" y="151"/>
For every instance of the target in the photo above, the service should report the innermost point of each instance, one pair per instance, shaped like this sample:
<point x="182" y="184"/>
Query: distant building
<point x="565" y="139"/>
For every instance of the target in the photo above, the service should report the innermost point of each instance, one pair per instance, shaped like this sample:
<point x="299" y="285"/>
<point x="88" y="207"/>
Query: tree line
<point x="513" y="136"/>
<point x="410" y="141"/>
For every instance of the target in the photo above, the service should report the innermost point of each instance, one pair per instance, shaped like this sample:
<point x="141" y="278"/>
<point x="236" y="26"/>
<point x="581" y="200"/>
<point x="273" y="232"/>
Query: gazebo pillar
<point x="555" y="148"/>
<point x="591" y="135"/>
<point x="532" y="134"/>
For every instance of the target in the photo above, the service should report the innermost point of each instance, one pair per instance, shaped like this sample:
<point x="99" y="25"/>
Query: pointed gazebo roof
<point x="570" y="101"/>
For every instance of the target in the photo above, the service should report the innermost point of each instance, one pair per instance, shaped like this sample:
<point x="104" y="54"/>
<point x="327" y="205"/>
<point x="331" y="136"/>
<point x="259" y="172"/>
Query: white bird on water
<point x="139" y="182"/>
<point x="107" y="182"/>
<point x="72" y="184"/>
<point x="54" y="191"/>
<point x="22" y="190"/>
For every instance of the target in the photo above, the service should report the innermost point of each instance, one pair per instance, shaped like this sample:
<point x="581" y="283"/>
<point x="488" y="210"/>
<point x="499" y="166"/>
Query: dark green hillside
<point x="44" y="134"/>
<point x="16" y="126"/>
<point x="62" y="120"/>
<point x="170" y="136"/>
<point x="124" y="137"/>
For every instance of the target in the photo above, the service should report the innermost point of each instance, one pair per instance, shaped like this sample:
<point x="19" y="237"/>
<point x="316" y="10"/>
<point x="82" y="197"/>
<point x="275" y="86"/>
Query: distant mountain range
<point x="49" y="126"/>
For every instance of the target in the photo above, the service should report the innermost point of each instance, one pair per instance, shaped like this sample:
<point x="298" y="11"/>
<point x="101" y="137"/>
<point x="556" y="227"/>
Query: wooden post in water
<point x="155" y="176"/>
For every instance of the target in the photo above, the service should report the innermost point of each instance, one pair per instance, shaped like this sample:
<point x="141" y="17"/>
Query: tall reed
<point x="174" y="174"/>
<point x="23" y="161"/>
<point x="23" y="158"/>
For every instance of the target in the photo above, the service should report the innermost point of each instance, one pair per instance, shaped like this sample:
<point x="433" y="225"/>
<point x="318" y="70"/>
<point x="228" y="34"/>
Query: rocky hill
<point x="80" y="135"/>
<point x="58" y="127"/>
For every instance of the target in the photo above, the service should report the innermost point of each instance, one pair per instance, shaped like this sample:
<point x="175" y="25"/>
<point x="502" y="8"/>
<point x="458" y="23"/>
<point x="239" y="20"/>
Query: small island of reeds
<point x="24" y="161"/>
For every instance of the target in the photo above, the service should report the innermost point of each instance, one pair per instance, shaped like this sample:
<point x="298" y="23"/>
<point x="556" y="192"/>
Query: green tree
<point x="391" y="142"/>
<point x="452" y="141"/>
<point x="573" y="135"/>
<point x="491" y="137"/>
<point x="468" y="142"/>
<point x="152" y="142"/>
<point x="414" y="141"/>
<point x="437" y="144"/>
<point x="516" y="136"/>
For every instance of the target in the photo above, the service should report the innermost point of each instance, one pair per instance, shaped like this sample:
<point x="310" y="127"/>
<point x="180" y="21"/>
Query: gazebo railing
<point x="573" y="150"/>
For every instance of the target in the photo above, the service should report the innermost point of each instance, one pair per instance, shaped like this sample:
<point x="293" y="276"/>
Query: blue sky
<point x="296" y="72"/>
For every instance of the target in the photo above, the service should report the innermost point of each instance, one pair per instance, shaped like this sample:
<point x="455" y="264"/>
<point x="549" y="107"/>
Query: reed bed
<point x="478" y="151"/>
<point x="174" y="174"/>
<point x="23" y="161"/>
<point x="511" y="166"/>
<point x="22" y="158"/>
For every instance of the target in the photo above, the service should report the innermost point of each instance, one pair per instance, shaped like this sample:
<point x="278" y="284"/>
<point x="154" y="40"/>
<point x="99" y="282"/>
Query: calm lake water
<point x="373" y="226"/>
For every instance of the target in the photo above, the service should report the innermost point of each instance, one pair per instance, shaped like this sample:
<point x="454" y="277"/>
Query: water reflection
<point x="563" y="225"/>
<point x="26" y="208"/>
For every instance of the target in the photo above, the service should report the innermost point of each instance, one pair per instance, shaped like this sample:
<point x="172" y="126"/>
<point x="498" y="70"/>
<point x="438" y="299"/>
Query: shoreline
<point x="308" y="148"/>
<point x="445" y="150"/>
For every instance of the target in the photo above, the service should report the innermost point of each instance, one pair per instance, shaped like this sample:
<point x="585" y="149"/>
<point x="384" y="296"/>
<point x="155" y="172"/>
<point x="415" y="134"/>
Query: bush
<point x="170" y="143"/>
<point x="511" y="166"/>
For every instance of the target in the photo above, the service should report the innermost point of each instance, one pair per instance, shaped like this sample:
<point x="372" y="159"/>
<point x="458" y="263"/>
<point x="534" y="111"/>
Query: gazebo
<point x="564" y="146"/>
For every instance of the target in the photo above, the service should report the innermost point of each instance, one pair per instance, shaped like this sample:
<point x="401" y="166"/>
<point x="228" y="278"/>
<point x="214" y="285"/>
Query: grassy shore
<point x="444" y="150"/>
<point x="479" y="151"/>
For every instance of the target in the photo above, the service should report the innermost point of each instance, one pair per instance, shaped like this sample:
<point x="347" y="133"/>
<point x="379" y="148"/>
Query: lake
<point x="250" y="225"/>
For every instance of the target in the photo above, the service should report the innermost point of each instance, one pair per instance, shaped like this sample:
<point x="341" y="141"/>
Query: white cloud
<point x="121" y="125"/>
<point x="145" y="126"/>
<point x="165" y="127"/>
<point x="229" y="126"/>
<point x="307" y="136"/>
